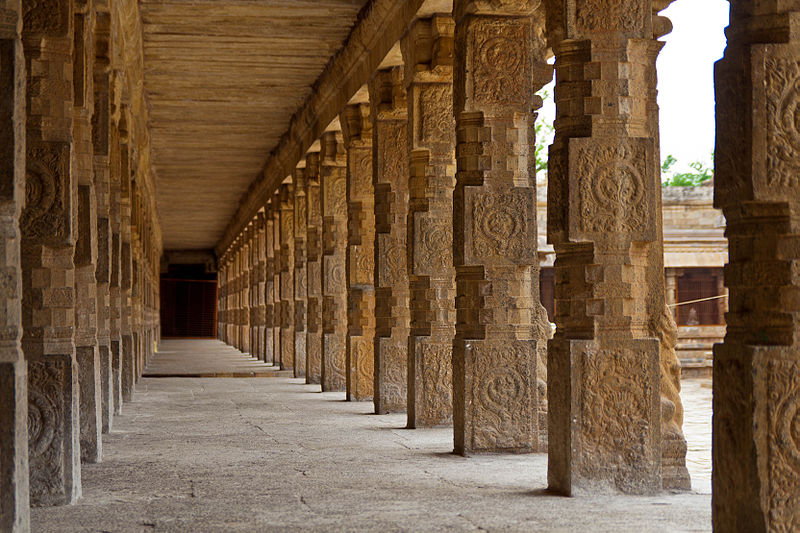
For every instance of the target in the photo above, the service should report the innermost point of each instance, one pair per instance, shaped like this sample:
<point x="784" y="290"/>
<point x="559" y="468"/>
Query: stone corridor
<point x="346" y="191"/>
<point x="224" y="455"/>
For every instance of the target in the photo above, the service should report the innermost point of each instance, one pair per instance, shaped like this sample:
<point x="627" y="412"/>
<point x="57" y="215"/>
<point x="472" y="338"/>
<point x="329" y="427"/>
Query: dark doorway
<point x="188" y="302"/>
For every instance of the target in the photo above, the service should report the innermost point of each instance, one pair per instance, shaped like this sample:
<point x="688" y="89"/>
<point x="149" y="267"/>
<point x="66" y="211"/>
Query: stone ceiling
<point x="223" y="80"/>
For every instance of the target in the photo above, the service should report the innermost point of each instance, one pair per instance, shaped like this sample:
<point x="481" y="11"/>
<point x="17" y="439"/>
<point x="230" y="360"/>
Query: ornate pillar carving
<point x="115" y="268"/>
<point x="333" y="183"/>
<point x="87" y="354"/>
<point x="287" y="276"/>
<point x="390" y="180"/>
<point x="500" y="350"/>
<point x="314" y="270"/>
<point x="300" y="279"/>
<point x="276" y="276"/>
<point x="126" y="271"/>
<point x="756" y="430"/>
<point x="14" y="470"/>
<point x="260" y="287"/>
<point x="428" y="55"/>
<point x="244" y="292"/>
<point x="360" y="262"/>
<point x="101" y="144"/>
<point x="603" y="364"/>
<point x="48" y="232"/>
<point x="269" y="285"/>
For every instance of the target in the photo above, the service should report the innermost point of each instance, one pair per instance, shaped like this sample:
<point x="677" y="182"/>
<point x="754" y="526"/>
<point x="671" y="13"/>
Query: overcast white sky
<point x="686" y="79"/>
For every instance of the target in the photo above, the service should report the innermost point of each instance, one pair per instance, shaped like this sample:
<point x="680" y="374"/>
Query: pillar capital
<point x="427" y="50"/>
<point x="387" y="95"/>
<point x="332" y="150"/>
<point x="356" y="125"/>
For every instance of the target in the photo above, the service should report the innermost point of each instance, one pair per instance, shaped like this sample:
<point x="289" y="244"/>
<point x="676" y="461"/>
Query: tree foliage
<point x="701" y="173"/>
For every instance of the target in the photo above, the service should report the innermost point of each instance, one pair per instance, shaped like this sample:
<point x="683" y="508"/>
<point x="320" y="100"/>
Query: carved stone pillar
<point x="390" y="178"/>
<point x="428" y="54"/>
<point x="756" y="431"/>
<point x="260" y="287"/>
<point x="314" y="270"/>
<point x="128" y="368"/>
<point x="603" y="364"/>
<point x="499" y="357"/>
<point x="333" y="183"/>
<point x="87" y="354"/>
<point x="14" y="470"/>
<point x="269" y="284"/>
<point x="276" y="276"/>
<point x="300" y="279"/>
<point x="114" y="288"/>
<point x="222" y="282"/>
<point x="48" y="232"/>
<point x="244" y="292"/>
<point x="101" y="143"/>
<point x="360" y="262"/>
<point x="287" y="276"/>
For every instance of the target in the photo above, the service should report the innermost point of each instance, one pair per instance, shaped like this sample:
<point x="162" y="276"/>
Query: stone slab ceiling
<point x="223" y="79"/>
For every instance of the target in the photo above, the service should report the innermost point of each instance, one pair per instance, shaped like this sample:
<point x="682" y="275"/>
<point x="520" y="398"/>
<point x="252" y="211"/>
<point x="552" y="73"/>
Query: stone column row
<point x="409" y="240"/>
<point x="80" y="246"/>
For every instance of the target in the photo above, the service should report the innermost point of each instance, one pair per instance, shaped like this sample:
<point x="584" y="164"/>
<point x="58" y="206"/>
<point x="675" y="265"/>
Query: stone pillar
<point x="287" y="276"/>
<point x="603" y="364"/>
<point x="48" y="232"/>
<point x="101" y="142"/>
<point x="244" y="292"/>
<point x="300" y="280"/>
<point x="756" y="430"/>
<point x="269" y="285"/>
<point x="276" y="277"/>
<point x="14" y="470"/>
<point x="87" y="354"/>
<point x="314" y="270"/>
<point x="255" y="349"/>
<point x="260" y="287"/>
<point x="671" y="284"/>
<point x="333" y="183"/>
<point x="499" y="354"/>
<point x="390" y="178"/>
<point x="115" y="268"/>
<point x="221" y="286"/>
<point x="127" y="368"/>
<point x="360" y="262"/>
<point x="428" y="54"/>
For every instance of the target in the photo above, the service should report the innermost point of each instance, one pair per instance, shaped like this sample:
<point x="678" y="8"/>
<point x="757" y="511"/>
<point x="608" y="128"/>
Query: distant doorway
<point x="188" y="302"/>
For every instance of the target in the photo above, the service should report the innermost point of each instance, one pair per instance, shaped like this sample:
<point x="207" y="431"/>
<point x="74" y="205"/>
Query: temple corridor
<point x="229" y="455"/>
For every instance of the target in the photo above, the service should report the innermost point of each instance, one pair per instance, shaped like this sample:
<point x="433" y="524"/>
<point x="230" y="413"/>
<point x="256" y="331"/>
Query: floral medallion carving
<point x="45" y="214"/>
<point x="44" y="16"/>
<point x="392" y="264"/>
<point x="392" y="381"/>
<point x="613" y="191"/>
<point x="614" y="416"/>
<point x="433" y="246"/>
<point x="437" y="384"/>
<point x="502" y="415"/>
<point x="437" y="122"/>
<point x="783" y="122"/>
<point x="46" y="412"/>
<point x="784" y="443"/>
<point x="503" y="226"/>
<point x="499" y="64"/>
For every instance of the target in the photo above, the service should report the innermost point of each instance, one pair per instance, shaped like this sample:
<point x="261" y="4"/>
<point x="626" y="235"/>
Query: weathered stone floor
<point x="277" y="455"/>
<point x="207" y="358"/>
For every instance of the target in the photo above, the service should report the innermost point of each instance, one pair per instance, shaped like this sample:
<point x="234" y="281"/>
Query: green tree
<point x="702" y="172"/>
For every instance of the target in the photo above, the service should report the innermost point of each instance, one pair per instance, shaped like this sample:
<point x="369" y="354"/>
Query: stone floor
<point x="249" y="454"/>
<point x="205" y="359"/>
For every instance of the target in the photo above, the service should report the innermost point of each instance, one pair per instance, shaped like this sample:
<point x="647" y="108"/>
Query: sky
<point x="685" y="80"/>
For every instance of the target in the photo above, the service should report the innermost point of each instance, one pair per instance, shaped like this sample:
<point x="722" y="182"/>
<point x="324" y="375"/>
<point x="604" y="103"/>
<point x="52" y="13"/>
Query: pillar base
<point x="604" y="416"/>
<point x="495" y="396"/>
<point x="14" y="491"/>
<point x="53" y="432"/>
<point x="88" y="359"/>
